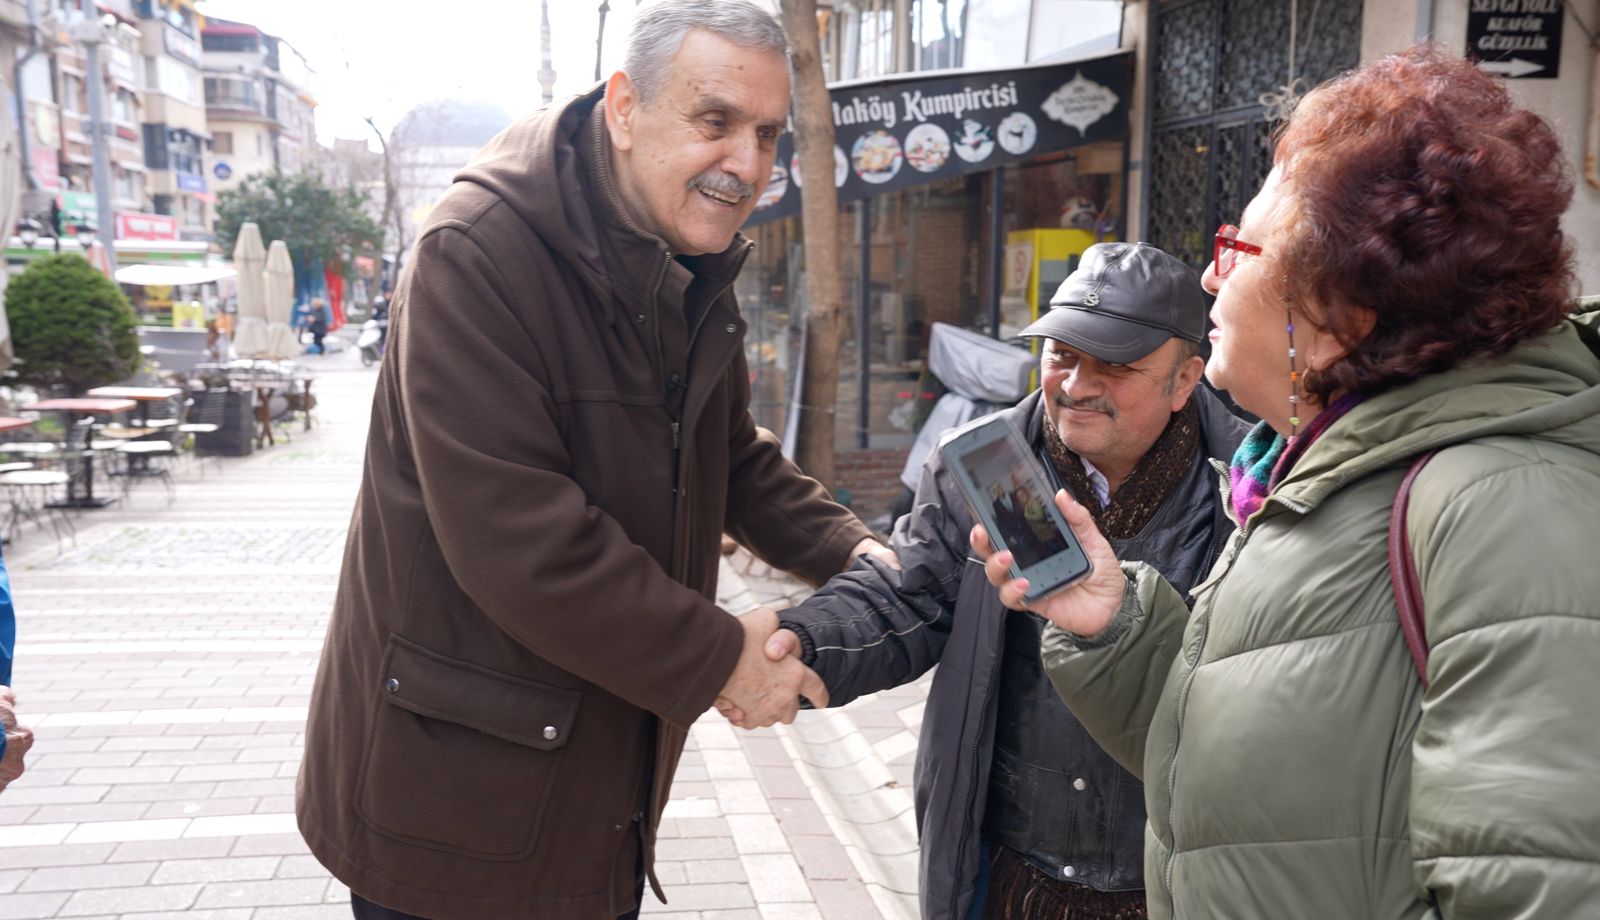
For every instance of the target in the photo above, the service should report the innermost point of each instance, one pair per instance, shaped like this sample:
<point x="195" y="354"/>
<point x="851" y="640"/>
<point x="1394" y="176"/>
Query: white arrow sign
<point x="1516" y="67"/>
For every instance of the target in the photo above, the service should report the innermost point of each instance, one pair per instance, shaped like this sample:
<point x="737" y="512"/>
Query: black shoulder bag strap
<point x="1403" y="572"/>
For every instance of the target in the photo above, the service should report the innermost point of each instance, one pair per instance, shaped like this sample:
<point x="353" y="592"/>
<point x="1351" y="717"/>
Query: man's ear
<point x="1183" y="383"/>
<point x="622" y="107"/>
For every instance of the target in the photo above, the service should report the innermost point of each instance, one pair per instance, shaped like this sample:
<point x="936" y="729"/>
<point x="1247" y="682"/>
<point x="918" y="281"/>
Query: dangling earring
<point x="1294" y="378"/>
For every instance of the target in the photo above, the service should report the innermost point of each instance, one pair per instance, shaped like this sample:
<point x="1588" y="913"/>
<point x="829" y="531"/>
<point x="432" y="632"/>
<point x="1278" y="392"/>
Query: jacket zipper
<point x="977" y="747"/>
<point x="1188" y="680"/>
<point x="694" y="334"/>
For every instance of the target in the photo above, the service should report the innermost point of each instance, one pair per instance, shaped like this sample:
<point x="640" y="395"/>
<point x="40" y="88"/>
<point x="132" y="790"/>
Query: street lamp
<point x="92" y="34"/>
<point x="28" y="230"/>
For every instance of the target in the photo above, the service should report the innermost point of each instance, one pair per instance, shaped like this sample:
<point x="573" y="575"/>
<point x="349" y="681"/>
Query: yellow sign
<point x="188" y="314"/>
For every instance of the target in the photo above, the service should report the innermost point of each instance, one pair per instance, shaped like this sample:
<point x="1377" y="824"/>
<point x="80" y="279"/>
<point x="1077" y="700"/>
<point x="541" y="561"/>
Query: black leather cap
<point x="1123" y="302"/>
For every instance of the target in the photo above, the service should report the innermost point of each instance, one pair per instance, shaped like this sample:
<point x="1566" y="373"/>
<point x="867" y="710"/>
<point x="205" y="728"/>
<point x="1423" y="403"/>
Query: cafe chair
<point x="28" y="495"/>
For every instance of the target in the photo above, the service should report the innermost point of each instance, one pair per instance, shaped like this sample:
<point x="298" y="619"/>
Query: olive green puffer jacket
<point x="1294" y="766"/>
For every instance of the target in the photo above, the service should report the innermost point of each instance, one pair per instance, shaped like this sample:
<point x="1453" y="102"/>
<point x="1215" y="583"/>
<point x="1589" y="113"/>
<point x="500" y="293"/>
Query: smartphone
<point x="1008" y="494"/>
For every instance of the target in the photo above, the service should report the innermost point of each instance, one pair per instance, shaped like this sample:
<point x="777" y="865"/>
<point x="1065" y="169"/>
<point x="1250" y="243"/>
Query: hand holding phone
<point x="1085" y="607"/>
<point x="1007" y="492"/>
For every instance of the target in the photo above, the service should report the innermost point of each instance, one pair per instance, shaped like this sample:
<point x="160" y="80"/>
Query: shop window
<point x="997" y="34"/>
<point x="937" y="31"/>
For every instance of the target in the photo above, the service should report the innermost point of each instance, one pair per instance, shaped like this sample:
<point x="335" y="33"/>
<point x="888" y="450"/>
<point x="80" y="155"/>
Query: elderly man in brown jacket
<point x="525" y="626"/>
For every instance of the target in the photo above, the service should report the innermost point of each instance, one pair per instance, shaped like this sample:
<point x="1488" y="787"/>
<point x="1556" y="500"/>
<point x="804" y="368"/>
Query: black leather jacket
<point x="873" y="628"/>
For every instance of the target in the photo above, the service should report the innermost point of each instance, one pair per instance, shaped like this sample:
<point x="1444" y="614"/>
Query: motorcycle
<point x="370" y="341"/>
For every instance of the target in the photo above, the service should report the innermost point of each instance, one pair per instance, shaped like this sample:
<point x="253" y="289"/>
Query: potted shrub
<point x="71" y="327"/>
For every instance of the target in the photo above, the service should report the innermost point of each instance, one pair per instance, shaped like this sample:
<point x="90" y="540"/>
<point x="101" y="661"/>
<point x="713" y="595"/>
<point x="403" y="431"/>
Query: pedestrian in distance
<point x="1021" y="814"/>
<point x="1400" y="286"/>
<point x="525" y="626"/>
<point x="317" y="324"/>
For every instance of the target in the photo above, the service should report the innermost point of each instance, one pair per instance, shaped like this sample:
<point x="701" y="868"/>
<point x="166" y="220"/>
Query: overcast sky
<point x="381" y="57"/>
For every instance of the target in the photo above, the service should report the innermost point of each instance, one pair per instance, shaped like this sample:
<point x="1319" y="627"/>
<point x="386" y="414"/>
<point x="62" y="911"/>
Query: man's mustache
<point x="723" y="184"/>
<point x="1086" y="405"/>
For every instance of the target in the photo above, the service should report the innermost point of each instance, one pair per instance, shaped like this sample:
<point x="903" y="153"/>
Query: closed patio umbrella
<point x="279" y="284"/>
<point x="249" y="257"/>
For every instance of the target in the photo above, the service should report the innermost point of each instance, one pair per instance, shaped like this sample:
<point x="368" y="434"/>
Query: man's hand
<point x="1084" y="608"/>
<point x="877" y="550"/>
<point x="18" y="739"/>
<point x="761" y="691"/>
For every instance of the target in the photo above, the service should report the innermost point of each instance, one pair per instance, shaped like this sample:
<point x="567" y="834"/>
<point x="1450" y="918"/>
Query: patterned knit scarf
<point x="1266" y="457"/>
<point x="1157" y="475"/>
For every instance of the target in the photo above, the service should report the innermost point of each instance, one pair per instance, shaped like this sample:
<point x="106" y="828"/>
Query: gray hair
<point x="659" y="29"/>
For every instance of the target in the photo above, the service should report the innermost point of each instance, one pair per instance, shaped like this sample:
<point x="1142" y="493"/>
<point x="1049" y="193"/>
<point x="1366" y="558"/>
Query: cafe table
<point x="144" y="396"/>
<point x="77" y="406"/>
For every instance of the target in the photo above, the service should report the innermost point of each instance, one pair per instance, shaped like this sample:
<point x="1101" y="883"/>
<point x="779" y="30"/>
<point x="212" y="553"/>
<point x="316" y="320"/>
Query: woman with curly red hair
<point x="1401" y="286"/>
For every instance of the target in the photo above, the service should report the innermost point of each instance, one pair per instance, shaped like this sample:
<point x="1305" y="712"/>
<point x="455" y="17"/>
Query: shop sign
<point x="1516" y="38"/>
<point x="137" y="226"/>
<point x="78" y="208"/>
<point x="191" y="183"/>
<point x="222" y="171"/>
<point x="46" y="166"/>
<point x="902" y="132"/>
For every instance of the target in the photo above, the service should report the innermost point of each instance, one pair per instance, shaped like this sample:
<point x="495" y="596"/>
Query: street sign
<point x="1516" y="38"/>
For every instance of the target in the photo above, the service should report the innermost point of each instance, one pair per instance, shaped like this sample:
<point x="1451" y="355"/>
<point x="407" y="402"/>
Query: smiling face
<point x="1249" y="335"/>
<point x="1112" y="414"/>
<point x="691" y="161"/>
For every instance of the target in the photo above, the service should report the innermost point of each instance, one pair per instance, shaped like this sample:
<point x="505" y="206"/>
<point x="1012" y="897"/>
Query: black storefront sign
<point x="1516" y="38"/>
<point x="897" y="133"/>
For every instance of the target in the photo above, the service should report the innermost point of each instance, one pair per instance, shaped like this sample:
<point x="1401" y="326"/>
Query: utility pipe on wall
<point x="1425" y="19"/>
<point x="1591" y="147"/>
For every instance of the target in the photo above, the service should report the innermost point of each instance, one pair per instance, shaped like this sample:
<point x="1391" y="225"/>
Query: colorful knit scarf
<point x="1266" y="457"/>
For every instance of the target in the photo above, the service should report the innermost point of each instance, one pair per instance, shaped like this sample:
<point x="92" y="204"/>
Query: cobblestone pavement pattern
<point x="165" y="662"/>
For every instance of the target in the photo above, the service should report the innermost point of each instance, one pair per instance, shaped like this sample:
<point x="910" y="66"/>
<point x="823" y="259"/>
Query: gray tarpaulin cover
<point x="983" y="376"/>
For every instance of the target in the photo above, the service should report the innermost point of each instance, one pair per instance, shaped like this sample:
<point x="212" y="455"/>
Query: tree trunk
<point x="391" y="192"/>
<point x="819" y="200"/>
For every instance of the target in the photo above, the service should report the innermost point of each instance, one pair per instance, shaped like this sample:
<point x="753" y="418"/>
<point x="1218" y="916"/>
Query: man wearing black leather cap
<point x="1021" y="814"/>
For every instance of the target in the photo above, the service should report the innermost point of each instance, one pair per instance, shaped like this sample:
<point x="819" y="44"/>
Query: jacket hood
<point x="535" y="168"/>
<point x="1547" y="388"/>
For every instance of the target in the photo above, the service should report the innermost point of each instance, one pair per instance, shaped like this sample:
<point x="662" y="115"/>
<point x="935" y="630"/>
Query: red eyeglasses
<point x="1228" y="246"/>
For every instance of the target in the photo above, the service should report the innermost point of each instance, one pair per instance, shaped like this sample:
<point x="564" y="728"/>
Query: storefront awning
<point x="907" y="130"/>
<point x="171" y="274"/>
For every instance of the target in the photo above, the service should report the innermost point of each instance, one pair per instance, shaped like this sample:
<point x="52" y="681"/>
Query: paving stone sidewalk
<point x="165" y="662"/>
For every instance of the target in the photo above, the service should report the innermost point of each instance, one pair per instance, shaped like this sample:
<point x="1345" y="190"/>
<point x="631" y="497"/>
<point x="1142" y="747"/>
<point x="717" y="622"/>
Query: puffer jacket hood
<point x="1548" y="389"/>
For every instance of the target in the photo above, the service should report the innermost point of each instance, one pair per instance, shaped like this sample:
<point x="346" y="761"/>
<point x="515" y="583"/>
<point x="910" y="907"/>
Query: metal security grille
<point x="1211" y="62"/>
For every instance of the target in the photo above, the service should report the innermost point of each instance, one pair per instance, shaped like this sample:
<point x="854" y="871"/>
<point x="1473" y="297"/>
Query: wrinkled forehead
<point x="709" y="67"/>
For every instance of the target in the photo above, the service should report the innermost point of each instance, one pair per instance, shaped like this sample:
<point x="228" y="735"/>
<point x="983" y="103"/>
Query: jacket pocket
<point x="462" y="758"/>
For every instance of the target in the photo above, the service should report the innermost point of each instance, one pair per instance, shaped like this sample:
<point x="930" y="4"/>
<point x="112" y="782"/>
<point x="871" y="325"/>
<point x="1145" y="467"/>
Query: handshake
<point x="769" y="680"/>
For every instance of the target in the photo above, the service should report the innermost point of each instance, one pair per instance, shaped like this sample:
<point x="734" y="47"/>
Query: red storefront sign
<point x="139" y="226"/>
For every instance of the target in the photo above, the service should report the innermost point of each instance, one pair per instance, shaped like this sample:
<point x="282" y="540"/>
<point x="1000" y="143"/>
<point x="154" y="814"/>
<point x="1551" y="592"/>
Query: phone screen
<point x="1009" y="495"/>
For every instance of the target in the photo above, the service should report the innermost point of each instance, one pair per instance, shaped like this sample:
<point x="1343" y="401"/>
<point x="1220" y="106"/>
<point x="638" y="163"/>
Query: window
<point x="211" y="41"/>
<point x="232" y="93"/>
<point x="179" y="80"/>
<point x="222" y="142"/>
<point x="72" y="98"/>
<point x="938" y="33"/>
<point x="123" y="107"/>
<point x="1074" y="28"/>
<point x="194" y="212"/>
<point x="997" y="34"/>
<point x="128" y="186"/>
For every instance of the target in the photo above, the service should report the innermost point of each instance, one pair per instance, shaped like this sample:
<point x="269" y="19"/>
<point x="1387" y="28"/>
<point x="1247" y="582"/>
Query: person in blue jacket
<point x="15" y="740"/>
